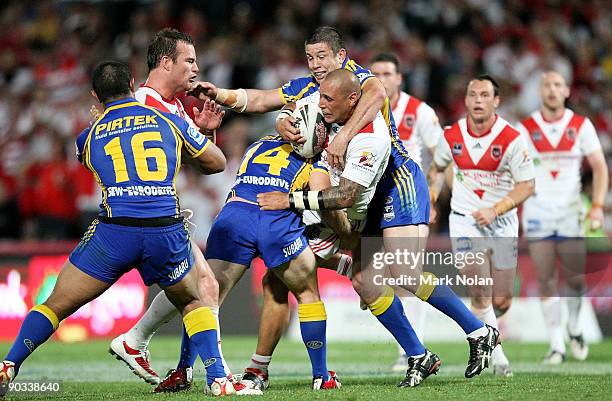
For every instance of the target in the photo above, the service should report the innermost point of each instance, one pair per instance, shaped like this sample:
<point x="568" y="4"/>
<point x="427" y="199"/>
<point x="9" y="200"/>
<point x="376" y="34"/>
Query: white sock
<point x="215" y="312"/>
<point x="487" y="316"/>
<point x="345" y="266"/>
<point x="160" y="311"/>
<point x="574" y="304"/>
<point x="551" y="309"/>
<point x="416" y="311"/>
<point x="260" y="362"/>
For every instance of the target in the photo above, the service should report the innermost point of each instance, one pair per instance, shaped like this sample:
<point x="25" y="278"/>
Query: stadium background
<point x="48" y="48"/>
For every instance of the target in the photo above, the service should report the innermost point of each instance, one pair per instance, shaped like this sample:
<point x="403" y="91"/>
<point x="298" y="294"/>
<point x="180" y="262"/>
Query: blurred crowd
<point x="48" y="48"/>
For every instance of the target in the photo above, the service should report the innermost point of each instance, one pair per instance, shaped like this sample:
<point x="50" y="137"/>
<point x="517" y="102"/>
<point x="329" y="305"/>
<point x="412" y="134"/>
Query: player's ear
<point x="93" y="94"/>
<point x="166" y="63"/>
<point x="496" y="101"/>
<point x="341" y="56"/>
<point x="353" y="98"/>
<point x="132" y="85"/>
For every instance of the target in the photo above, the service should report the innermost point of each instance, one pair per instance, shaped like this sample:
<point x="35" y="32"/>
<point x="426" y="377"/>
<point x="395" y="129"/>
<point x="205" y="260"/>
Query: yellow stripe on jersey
<point x="300" y="181"/>
<point x="203" y="149"/>
<point x="409" y="183"/>
<point x="385" y="110"/>
<point x="87" y="160"/>
<point x="175" y="130"/>
<point x="399" y="189"/>
<point x="350" y="65"/>
<point x="293" y="98"/>
<point x="405" y="192"/>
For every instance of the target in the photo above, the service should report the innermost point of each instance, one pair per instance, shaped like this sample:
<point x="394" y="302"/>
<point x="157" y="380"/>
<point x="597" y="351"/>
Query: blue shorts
<point x="401" y="199"/>
<point x="162" y="255"/>
<point x="242" y="232"/>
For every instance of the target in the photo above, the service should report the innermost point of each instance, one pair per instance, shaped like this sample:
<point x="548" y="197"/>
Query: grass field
<point x="87" y="372"/>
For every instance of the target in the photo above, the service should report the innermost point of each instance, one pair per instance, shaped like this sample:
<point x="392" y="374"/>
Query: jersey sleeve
<point x="589" y="142"/>
<point x="295" y="89"/>
<point x="194" y="141"/>
<point x="363" y="74"/>
<point x="521" y="164"/>
<point x="428" y="126"/>
<point x="442" y="156"/>
<point x="365" y="156"/>
<point x="80" y="143"/>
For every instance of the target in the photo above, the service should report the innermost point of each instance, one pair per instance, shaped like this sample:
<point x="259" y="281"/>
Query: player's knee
<point x="548" y="288"/>
<point x="480" y="301"/>
<point x="357" y="283"/>
<point x="501" y="305"/>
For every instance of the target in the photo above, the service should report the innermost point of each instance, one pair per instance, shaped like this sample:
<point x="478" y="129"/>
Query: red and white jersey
<point x="150" y="97"/>
<point x="557" y="148"/>
<point x="417" y="125"/>
<point x="485" y="167"/>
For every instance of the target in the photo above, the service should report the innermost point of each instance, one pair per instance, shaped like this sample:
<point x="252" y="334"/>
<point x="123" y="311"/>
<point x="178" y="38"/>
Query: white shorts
<point x="323" y="241"/>
<point x="499" y="237"/>
<point x="541" y="219"/>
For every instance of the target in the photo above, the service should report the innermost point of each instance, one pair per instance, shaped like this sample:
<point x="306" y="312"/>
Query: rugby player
<point x="139" y="224"/>
<point x="493" y="173"/>
<point x="419" y="130"/>
<point x="553" y="218"/>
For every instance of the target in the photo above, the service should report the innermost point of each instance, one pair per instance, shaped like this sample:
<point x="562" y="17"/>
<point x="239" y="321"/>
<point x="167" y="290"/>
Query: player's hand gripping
<point x="203" y="90"/>
<point x="287" y="129"/>
<point x="275" y="200"/>
<point x="210" y="117"/>
<point x="336" y="150"/>
<point x="484" y="216"/>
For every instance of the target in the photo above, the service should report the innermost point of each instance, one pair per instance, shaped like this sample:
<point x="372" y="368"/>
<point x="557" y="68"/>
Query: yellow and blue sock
<point x="37" y="327"/>
<point x="444" y="299"/>
<point x="188" y="352"/>
<point x="313" y="323"/>
<point x="201" y="327"/>
<point x="389" y="311"/>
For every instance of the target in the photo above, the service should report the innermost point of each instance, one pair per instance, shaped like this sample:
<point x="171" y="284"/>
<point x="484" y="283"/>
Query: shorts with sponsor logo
<point x="162" y="255"/>
<point x="241" y="232"/>
<point x="542" y="219"/>
<point x="500" y="238"/>
<point x="401" y="199"/>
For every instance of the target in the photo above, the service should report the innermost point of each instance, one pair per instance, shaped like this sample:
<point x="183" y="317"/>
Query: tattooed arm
<point x="343" y="196"/>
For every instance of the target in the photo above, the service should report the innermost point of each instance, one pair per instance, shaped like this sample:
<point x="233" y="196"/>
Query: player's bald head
<point x="344" y="81"/>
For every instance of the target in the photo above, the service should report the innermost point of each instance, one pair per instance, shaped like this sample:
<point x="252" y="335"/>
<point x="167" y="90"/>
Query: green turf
<point x="87" y="372"/>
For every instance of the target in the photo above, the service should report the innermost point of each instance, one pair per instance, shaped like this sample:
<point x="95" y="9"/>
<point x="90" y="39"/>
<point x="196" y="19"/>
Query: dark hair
<point x="111" y="80"/>
<point x="164" y="44"/>
<point x="328" y="35"/>
<point x="386" y="57"/>
<point x="487" y="77"/>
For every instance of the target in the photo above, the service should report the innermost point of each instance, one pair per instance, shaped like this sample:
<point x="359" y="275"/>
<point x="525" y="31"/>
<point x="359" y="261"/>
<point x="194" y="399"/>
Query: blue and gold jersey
<point x="134" y="152"/>
<point x="299" y="88"/>
<point x="270" y="164"/>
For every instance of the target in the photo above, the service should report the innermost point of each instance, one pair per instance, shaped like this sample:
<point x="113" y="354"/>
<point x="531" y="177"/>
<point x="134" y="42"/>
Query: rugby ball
<point x="309" y="120"/>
